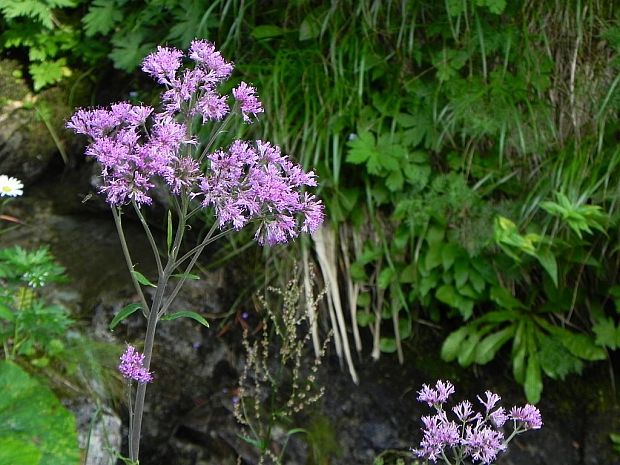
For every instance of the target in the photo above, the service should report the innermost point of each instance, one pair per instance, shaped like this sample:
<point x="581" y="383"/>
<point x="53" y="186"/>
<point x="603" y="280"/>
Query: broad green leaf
<point x="386" y="277"/>
<point x="361" y="148"/>
<point x="582" y="346"/>
<point x="547" y="260"/>
<point x="607" y="333"/>
<point x="488" y="347"/>
<point x="435" y="234"/>
<point x="533" y="385"/>
<point x="48" y="72"/>
<point x="408" y="274"/>
<point x="449" y="252"/>
<point x="468" y="350"/>
<point x="186" y="314"/>
<point x="142" y="279"/>
<point x="433" y="256"/>
<point x="452" y="345"/>
<point x="101" y="17"/>
<point x="404" y="327"/>
<point x="387" y="345"/>
<point x="504" y="299"/>
<point x="461" y="272"/>
<point x="395" y="180"/>
<point x="124" y="313"/>
<point x="31" y="414"/>
<point x="365" y="318"/>
<point x="448" y="295"/>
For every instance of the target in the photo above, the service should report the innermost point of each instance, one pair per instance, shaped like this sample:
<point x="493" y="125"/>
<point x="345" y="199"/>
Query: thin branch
<point x="150" y="237"/>
<point x="128" y="260"/>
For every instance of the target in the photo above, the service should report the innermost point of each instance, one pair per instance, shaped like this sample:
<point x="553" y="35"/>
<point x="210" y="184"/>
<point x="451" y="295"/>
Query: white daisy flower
<point x="10" y="187"/>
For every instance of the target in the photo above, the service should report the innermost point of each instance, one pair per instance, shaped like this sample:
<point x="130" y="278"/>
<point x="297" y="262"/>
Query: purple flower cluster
<point x="476" y="435"/>
<point x="139" y="148"/>
<point x="132" y="366"/>
<point x="251" y="181"/>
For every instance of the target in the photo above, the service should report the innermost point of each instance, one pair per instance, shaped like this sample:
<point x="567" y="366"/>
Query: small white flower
<point x="10" y="187"/>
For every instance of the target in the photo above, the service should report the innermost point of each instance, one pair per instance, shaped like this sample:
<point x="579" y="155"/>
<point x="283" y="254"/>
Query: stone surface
<point x="31" y="126"/>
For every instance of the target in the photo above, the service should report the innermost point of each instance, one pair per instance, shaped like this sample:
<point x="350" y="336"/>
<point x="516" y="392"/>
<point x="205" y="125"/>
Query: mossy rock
<point x="31" y="126"/>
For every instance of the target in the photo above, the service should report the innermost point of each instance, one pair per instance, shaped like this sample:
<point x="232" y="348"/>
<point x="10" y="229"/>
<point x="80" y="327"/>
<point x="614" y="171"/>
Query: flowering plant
<point x="142" y="150"/>
<point x="477" y="436"/>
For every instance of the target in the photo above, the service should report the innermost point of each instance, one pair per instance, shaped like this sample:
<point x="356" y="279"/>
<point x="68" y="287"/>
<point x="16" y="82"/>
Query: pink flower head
<point x="248" y="101"/>
<point x="204" y="54"/>
<point x="483" y="443"/>
<point x="438" y="395"/>
<point x="528" y="415"/>
<point x="163" y="64"/>
<point x="491" y="400"/>
<point x="132" y="366"/>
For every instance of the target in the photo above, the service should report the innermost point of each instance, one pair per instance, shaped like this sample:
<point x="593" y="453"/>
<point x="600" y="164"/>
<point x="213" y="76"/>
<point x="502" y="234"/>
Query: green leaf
<point x="142" y="279"/>
<point x="101" y="17"/>
<point x="48" y="72"/>
<point x="364" y="318"/>
<point x="488" y="347"/>
<point x="386" y="277"/>
<point x="6" y="313"/>
<point x="581" y="345"/>
<point x="124" y="313"/>
<point x="547" y="260"/>
<point x="448" y="254"/>
<point x="361" y="148"/>
<point x="169" y="232"/>
<point x="395" y="181"/>
<point x="452" y="345"/>
<point x="129" y="50"/>
<point x="31" y="414"/>
<point x="186" y="314"/>
<point x="433" y="256"/>
<point x="267" y="31"/>
<point x="448" y="295"/>
<point x="387" y="345"/>
<point x="533" y="385"/>
<point x="504" y="299"/>
<point x="191" y="276"/>
<point x="607" y="333"/>
<point x="467" y="354"/>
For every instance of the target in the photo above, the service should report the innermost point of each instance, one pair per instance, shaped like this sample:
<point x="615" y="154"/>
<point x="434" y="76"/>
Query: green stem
<point x="150" y="237"/>
<point x="198" y="250"/>
<point x="128" y="260"/>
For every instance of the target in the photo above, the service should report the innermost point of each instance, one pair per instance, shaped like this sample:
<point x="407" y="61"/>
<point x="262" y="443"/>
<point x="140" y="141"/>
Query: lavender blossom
<point x="528" y="416"/>
<point x="132" y="366"/>
<point x="163" y="64"/>
<point x="249" y="103"/>
<point x="478" y="437"/>
<point x="438" y="395"/>
<point x="139" y="148"/>
<point x="482" y="443"/>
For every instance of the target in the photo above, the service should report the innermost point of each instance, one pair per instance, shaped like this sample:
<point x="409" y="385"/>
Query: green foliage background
<point x="467" y="151"/>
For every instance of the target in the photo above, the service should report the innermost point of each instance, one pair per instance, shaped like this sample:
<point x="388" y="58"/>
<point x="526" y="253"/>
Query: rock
<point x="31" y="126"/>
<point x="99" y="432"/>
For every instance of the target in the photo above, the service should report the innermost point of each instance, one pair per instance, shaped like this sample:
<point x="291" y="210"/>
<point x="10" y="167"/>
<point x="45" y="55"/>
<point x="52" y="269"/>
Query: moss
<point x="12" y="86"/>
